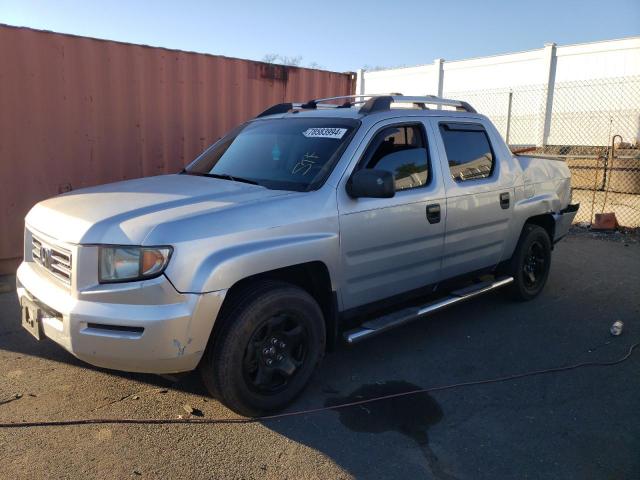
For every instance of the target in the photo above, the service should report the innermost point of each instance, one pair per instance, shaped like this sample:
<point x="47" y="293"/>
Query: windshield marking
<point x="304" y="165"/>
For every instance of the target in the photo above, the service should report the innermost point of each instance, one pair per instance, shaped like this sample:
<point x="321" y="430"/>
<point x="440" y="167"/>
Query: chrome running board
<point x="378" y="325"/>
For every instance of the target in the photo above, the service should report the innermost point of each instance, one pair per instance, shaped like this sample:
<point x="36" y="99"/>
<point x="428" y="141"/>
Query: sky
<point x="336" y="35"/>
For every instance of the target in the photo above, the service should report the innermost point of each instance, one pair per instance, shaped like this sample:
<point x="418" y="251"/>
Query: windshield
<point x="281" y="154"/>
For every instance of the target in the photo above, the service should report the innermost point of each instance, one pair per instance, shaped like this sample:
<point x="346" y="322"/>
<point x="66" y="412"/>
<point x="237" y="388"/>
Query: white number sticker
<point x="324" y="132"/>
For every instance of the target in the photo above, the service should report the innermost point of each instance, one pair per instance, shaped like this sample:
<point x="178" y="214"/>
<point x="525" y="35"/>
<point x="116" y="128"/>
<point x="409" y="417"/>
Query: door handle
<point x="504" y="200"/>
<point x="433" y="213"/>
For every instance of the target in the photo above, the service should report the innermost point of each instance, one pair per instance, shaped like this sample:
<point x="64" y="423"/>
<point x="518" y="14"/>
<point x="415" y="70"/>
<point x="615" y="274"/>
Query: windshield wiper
<point x="224" y="176"/>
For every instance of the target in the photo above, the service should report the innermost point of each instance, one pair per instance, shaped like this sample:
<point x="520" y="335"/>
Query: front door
<point x="393" y="245"/>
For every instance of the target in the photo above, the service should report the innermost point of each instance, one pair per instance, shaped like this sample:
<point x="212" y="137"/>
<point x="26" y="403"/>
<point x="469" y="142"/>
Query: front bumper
<point x="137" y="327"/>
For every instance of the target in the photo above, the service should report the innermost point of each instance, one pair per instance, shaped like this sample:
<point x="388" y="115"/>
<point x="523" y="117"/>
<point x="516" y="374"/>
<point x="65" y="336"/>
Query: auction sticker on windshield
<point x="325" y="132"/>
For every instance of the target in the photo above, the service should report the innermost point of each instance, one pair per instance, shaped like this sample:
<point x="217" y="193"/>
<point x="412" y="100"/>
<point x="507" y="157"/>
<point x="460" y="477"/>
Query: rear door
<point x="389" y="245"/>
<point x="480" y="194"/>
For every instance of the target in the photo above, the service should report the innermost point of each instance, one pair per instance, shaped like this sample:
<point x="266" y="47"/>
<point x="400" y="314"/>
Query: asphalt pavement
<point x="582" y="424"/>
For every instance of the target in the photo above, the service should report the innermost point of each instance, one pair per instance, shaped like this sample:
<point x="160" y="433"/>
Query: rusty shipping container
<point x="77" y="111"/>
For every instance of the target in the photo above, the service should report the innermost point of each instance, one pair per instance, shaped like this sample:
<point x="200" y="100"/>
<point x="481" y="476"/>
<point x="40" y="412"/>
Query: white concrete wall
<point x="566" y="95"/>
<point x="500" y="71"/>
<point x="586" y="61"/>
<point x="408" y="81"/>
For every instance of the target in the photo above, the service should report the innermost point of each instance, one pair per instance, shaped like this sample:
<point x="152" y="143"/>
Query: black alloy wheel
<point x="264" y="348"/>
<point x="276" y="352"/>
<point x="534" y="265"/>
<point x="529" y="266"/>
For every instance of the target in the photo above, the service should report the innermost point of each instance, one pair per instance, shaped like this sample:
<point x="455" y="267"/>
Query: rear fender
<point x="526" y="208"/>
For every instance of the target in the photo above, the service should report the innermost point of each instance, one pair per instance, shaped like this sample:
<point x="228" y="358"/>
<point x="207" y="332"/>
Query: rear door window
<point x="468" y="150"/>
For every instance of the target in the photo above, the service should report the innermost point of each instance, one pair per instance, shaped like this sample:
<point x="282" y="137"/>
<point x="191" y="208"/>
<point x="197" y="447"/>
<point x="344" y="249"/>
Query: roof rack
<point x="374" y="103"/>
<point x="317" y="103"/>
<point x="382" y="103"/>
<point x="322" y="101"/>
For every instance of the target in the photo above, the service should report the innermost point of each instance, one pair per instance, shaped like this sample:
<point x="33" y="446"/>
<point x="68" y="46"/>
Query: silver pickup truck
<point x="311" y="224"/>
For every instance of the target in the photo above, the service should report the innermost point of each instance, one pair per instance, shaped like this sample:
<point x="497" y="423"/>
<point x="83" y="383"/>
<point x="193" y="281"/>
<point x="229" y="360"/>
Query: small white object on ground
<point x="616" y="328"/>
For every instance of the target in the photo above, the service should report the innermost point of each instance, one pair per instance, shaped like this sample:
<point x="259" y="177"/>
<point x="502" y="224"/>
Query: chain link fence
<point x="592" y="125"/>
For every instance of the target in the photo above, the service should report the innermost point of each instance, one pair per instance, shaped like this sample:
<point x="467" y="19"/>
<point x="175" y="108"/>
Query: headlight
<point x="126" y="264"/>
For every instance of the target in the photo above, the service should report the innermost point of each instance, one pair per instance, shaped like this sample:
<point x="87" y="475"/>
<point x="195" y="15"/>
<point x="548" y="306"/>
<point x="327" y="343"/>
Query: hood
<point x="126" y="212"/>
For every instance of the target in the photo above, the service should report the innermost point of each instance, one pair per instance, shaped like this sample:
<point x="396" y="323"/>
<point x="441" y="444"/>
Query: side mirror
<point x="371" y="183"/>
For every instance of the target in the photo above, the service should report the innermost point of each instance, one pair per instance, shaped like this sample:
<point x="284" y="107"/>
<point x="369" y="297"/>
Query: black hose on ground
<point x="210" y="421"/>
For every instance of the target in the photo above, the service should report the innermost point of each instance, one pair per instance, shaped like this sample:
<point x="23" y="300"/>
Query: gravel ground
<point x="625" y="236"/>
<point x="580" y="424"/>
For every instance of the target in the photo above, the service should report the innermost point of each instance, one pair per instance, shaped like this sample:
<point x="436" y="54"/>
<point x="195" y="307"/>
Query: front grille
<point x="55" y="259"/>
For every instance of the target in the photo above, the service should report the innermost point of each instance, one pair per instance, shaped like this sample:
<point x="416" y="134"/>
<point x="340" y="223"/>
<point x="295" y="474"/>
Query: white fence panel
<point x="568" y="95"/>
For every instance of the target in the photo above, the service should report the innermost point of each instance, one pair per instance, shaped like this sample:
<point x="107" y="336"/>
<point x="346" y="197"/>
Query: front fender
<point x="225" y="267"/>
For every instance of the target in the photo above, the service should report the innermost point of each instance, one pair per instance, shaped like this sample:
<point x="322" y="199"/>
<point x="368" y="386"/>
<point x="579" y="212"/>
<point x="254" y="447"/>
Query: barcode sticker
<point x="336" y="133"/>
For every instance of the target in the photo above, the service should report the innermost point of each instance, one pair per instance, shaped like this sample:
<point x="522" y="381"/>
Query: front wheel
<point x="530" y="263"/>
<point x="270" y="341"/>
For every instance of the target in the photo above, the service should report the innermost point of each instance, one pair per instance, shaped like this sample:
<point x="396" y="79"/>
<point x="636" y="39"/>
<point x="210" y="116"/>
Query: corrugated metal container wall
<point x="77" y="111"/>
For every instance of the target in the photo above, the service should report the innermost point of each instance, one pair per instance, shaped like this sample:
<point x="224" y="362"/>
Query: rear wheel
<point x="270" y="341"/>
<point x="530" y="263"/>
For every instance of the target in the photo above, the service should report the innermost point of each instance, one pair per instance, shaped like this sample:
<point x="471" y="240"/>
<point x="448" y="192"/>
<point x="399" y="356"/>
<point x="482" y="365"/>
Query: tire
<point x="529" y="266"/>
<point x="249" y="371"/>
